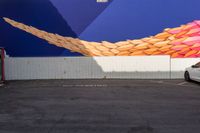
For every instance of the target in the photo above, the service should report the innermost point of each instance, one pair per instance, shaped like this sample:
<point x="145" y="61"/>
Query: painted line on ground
<point x="182" y="83"/>
<point x="176" y="84"/>
<point x="86" y="85"/>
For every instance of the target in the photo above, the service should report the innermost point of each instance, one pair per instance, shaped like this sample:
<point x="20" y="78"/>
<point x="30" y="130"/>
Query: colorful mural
<point x="64" y="17"/>
<point x="94" y="22"/>
<point x="180" y="42"/>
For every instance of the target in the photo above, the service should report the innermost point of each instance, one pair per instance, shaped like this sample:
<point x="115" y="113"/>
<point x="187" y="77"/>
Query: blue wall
<point x="86" y="19"/>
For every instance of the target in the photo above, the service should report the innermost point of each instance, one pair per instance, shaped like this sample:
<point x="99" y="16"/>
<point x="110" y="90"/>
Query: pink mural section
<point x="180" y="42"/>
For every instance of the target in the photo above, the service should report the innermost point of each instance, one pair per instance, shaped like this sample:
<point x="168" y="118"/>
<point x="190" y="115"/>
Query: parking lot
<point x="100" y="106"/>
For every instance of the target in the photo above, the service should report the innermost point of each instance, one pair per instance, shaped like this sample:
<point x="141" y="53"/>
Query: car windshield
<point x="198" y="64"/>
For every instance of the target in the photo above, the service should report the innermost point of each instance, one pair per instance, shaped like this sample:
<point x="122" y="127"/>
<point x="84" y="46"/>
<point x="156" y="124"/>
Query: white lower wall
<point x="138" y="67"/>
<point x="129" y="67"/>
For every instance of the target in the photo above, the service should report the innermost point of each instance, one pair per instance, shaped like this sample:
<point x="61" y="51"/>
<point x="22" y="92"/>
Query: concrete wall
<point x="138" y="67"/>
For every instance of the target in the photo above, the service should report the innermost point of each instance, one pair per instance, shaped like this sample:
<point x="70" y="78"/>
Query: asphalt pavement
<point x="100" y="106"/>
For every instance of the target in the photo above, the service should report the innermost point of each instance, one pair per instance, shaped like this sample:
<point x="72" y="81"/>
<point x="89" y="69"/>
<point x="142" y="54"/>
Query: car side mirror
<point x="193" y="66"/>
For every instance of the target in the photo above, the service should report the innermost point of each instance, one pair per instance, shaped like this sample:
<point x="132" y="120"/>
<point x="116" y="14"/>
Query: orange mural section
<point x="180" y="42"/>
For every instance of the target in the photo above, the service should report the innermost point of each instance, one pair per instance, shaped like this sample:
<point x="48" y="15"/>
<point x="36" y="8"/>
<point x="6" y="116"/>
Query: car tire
<point x="187" y="76"/>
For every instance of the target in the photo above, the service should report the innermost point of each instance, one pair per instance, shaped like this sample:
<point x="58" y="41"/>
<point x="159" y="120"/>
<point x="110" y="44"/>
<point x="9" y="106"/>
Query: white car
<point x="193" y="73"/>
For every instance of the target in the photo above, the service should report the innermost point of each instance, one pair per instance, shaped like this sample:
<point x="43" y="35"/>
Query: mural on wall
<point x="180" y="42"/>
<point x="62" y="22"/>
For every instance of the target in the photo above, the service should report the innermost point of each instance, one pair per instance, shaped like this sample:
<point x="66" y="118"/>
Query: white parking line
<point x="182" y="83"/>
<point x="185" y="84"/>
<point x="85" y="85"/>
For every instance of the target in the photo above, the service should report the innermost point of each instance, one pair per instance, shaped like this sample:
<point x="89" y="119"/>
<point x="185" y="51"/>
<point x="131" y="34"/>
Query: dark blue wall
<point x="113" y="21"/>
<point x="38" y="13"/>
<point x="129" y="19"/>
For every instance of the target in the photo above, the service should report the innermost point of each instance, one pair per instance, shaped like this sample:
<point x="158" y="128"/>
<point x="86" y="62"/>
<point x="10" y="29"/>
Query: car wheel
<point x="187" y="76"/>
